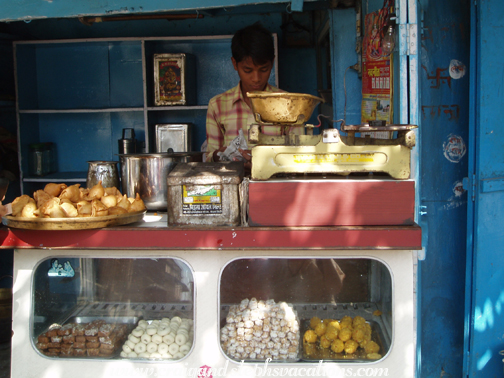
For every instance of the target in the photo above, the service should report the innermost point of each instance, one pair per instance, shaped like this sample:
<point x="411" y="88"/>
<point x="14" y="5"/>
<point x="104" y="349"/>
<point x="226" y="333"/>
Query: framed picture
<point x="169" y="79"/>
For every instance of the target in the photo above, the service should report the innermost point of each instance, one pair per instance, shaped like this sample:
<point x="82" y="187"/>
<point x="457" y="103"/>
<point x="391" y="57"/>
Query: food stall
<point x="320" y="244"/>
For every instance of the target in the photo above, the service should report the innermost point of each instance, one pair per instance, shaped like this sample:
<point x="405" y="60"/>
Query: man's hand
<point x="248" y="159"/>
<point x="215" y="157"/>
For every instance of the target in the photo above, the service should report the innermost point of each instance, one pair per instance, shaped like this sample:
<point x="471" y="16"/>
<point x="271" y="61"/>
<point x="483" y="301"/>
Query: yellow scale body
<point x="331" y="153"/>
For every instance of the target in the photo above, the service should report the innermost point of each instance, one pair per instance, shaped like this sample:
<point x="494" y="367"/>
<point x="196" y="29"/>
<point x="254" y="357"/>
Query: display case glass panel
<point x="131" y="308"/>
<point x="306" y="310"/>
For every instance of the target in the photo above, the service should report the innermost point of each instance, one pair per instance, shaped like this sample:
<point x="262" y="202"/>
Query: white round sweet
<point x="184" y="349"/>
<point x="124" y="354"/>
<point x="184" y="326"/>
<point x="166" y="355"/>
<point x="144" y="355"/>
<point x="138" y="332"/>
<point x="143" y="324"/>
<point x="132" y="355"/>
<point x="133" y="339"/>
<point x="146" y="339"/>
<point x="178" y="355"/>
<point x="151" y="330"/>
<point x="155" y="355"/>
<point x="163" y="330"/>
<point x="162" y="348"/>
<point x="181" y="339"/>
<point x="173" y="349"/>
<point x="126" y="348"/>
<point x="166" y="320"/>
<point x="169" y="339"/>
<point x="152" y="347"/>
<point x="157" y="339"/>
<point x="176" y="319"/>
<point x="130" y="343"/>
<point x="183" y="332"/>
<point x="140" y="348"/>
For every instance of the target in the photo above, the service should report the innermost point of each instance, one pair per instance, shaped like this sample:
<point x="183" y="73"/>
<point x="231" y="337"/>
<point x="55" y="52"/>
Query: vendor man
<point x="253" y="54"/>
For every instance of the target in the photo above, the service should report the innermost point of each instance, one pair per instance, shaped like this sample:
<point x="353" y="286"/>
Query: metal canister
<point x="174" y="137"/>
<point x="39" y="163"/>
<point x="146" y="174"/>
<point x="128" y="143"/>
<point x="204" y="194"/>
<point x="104" y="171"/>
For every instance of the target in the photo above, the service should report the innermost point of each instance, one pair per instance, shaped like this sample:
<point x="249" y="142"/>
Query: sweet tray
<point x="128" y="322"/>
<point x="84" y="223"/>
<point x="359" y="356"/>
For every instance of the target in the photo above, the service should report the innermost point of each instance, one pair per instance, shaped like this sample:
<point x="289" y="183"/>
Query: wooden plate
<point x="72" y="223"/>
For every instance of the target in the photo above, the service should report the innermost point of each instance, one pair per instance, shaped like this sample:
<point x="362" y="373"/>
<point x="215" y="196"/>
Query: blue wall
<point x="444" y="123"/>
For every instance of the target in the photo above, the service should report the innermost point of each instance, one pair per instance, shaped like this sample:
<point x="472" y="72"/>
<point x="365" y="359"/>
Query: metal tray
<point x="84" y="223"/>
<point x="328" y="355"/>
<point x="283" y="107"/>
<point x="128" y="320"/>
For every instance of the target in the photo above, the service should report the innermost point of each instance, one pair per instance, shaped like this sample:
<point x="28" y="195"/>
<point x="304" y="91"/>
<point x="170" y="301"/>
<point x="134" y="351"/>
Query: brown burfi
<point x="79" y="345"/>
<point x="53" y="331"/>
<point x="109" y="339"/>
<point x="93" y="327"/>
<point x="107" y="347"/>
<point x="56" y="339"/>
<point x="78" y="329"/>
<point x="66" y="329"/>
<point x="92" y="345"/>
<point x="93" y="352"/>
<point x="94" y="339"/>
<point x="67" y="352"/>
<point x="69" y="339"/>
<point x="79" y="352"/>
<point x="106" y="352"/>
<point x="106" y="329"/>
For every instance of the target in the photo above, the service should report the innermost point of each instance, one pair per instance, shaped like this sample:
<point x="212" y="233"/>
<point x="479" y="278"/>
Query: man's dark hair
<point x="255" y="41"/>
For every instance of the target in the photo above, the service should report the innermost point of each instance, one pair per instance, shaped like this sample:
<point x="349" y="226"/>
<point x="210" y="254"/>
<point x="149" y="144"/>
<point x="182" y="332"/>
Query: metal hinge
<point x="469" y="184"/>
<point x="412" y="39"/>
<point x="410" y="33"/>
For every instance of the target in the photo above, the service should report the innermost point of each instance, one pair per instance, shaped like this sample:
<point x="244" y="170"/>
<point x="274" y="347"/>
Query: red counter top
<point x="127" y="237"/>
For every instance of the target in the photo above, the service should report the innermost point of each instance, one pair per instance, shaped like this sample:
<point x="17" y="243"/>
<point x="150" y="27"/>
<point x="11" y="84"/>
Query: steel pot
<point x="146" y="175"/>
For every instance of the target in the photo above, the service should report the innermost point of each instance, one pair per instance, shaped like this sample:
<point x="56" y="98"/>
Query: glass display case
<point x="113" y="308"/>
<point x="230" y="311"/>
<point x="306" y="309"/>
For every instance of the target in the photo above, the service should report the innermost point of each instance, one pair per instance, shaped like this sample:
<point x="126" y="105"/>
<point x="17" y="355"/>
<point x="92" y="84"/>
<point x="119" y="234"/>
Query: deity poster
<point x="377" y="76"/>
<point x="169" y="88"/>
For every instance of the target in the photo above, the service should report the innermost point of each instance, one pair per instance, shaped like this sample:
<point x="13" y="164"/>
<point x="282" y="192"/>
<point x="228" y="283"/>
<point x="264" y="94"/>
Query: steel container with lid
<point x="128" y="143"/>
<point x="205" y="194"/>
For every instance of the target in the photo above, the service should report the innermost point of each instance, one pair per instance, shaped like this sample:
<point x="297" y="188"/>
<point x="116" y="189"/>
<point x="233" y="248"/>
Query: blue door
<point x="485" y="261"/>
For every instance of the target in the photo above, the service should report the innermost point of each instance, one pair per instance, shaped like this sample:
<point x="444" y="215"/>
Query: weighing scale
<point x="327" y="153"/>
